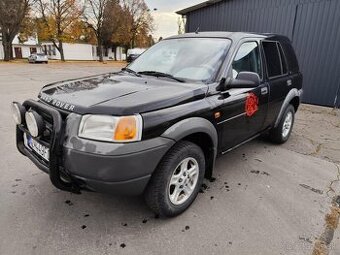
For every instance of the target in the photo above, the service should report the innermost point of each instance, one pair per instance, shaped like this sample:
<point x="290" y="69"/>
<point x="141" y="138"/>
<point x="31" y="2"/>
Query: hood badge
<point x="57" y="103"/>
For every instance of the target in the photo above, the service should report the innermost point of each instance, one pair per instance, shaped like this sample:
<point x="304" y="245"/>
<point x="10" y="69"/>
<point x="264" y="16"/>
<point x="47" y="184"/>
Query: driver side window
<point x="247" y="59"/>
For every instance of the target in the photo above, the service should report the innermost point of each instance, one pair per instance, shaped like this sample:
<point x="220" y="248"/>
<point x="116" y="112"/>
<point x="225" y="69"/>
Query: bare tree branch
<point x="58" y="16"/>
<point x="100" y="17"/>
<point x="138" y="21"/>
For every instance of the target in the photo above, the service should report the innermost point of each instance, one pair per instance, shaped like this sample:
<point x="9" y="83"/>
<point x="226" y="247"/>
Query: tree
<point x="12" y="14"/>
<point x="58" y="16"/>
<point x="138" y="21"/>
<point x="27" y="29"/>
<point x="80" y="32"/>
<point x="103" y="17"/>
<point x="144" y="39"/>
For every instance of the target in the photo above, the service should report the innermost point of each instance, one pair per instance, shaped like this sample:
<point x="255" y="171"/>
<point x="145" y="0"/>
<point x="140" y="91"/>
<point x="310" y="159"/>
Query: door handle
<point x="289" y="83"/>
<point x="264" y="91"/>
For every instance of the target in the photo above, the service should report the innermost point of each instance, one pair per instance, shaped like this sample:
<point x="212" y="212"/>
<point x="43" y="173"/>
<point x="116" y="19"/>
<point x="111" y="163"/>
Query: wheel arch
<point x="293" y="98"/>
<point x="295" y="102"/>
<point x="199" y="131"/>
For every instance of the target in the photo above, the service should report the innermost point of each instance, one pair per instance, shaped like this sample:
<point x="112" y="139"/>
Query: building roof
<point x="198" y="6"/>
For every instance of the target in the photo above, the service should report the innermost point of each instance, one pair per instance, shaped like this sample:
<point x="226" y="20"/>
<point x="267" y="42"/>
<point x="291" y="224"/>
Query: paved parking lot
<point x="266" y="199"/>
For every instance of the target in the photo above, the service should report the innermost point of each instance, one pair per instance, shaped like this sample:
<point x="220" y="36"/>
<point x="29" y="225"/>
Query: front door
<point x="244" y="110"/>
<point x="17" y="51"/>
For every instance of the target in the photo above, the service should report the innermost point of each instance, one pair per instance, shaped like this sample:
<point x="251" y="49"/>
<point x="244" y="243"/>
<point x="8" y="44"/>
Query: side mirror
<point x="243" y="80"/>
<point x="249" y="76"/>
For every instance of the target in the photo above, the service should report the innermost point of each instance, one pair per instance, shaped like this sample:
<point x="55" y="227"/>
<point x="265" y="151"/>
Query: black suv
<point x="157" y="126"/>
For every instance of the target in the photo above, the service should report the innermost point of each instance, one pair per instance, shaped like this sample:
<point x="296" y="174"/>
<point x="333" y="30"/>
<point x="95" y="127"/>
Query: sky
<point x="165" y="18"/>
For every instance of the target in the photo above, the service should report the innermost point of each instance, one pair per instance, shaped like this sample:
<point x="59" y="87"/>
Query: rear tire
<point x="177" y="180"/>
<point x="281" y="133"/>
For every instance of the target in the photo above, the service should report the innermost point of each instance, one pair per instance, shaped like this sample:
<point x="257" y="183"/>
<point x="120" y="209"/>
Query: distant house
<point x="22" y="49"/>
<point x="72" y="51"/>
<point x="81" y="51"/>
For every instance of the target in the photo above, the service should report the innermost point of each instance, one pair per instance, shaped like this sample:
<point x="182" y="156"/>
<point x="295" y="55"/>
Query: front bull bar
<point x="55" y="147"/>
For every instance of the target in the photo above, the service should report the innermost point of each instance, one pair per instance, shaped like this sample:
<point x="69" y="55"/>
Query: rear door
<point x="278" y="78"/>
<point x="239" y="121"/>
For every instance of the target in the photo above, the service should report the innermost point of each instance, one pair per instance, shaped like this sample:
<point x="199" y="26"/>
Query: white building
<point x="81" y="51"/>
<point x="72" y="51"/>
<point x="22" y="50"/>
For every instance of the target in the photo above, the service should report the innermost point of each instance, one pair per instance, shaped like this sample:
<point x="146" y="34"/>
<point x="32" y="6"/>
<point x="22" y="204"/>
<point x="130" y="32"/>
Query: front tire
<point x="177" y="180"/>
<point x="281" y="133"/>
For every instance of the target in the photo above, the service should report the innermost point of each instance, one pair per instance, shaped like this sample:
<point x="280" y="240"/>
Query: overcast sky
<point x="165" y="17"/>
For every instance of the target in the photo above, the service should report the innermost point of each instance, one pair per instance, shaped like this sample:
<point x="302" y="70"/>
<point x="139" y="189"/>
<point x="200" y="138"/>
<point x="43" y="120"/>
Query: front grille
<point x="48" y="120"/>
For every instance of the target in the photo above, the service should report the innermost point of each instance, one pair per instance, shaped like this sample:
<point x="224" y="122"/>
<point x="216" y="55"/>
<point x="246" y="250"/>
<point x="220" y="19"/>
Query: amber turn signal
<point x="126" y="129"/>
<point x="217" y="115"/>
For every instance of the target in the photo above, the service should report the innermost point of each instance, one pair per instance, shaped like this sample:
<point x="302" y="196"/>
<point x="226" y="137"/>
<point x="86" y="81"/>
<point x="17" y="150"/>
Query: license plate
<point x="37" y="147"/>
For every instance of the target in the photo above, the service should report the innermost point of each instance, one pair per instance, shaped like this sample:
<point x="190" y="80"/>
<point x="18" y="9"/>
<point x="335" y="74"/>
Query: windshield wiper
<point x="160" y="74"/>
<point x="125" y="69"/>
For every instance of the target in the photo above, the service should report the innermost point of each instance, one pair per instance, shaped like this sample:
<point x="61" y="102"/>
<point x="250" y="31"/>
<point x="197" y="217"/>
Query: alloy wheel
<point x="287" y="124"/>
<point x="183" y="181"/>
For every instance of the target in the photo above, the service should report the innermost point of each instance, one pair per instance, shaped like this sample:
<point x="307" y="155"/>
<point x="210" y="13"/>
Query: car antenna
<point x="197" y="30"/>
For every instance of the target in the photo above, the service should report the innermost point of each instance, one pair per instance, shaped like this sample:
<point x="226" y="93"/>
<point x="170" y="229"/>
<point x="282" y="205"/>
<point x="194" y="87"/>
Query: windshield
<point x="194" y="59"/>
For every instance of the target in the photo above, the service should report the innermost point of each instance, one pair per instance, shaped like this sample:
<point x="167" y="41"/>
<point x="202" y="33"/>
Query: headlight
<point x="34" y="122"/>
<point x="111" y="129"/>
<point x="18" y="112"/>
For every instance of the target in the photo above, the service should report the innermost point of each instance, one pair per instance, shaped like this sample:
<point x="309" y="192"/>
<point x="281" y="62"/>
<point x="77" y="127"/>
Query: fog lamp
<point x="34" y="122"/>
<point x="18" y="112"/>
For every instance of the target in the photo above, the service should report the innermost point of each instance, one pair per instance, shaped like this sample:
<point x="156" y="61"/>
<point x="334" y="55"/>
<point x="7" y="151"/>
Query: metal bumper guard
<point x="55" y="147"/>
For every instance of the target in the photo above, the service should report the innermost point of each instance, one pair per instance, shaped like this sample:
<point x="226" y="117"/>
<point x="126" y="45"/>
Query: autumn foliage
<point x="107" y="23"/>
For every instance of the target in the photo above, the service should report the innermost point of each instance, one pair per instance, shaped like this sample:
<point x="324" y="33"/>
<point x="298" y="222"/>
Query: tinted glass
<point x="291" y="59"/>
<point x="283" y="59"/>
<point x="273" y="59"/>
<point x="247" y="59"/>
<point x="195" y="59"/>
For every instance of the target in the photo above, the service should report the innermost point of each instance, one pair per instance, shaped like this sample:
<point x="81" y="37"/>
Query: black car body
<point x="256" y="89"/>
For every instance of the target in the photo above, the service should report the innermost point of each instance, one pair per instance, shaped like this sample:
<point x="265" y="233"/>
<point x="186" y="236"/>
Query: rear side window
<point x="291" y="59"/>
<point x="276" y="64"/>
<point x="283" y="60"/>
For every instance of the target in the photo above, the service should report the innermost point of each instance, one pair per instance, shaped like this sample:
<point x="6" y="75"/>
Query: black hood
<point x="119" y="94"/>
